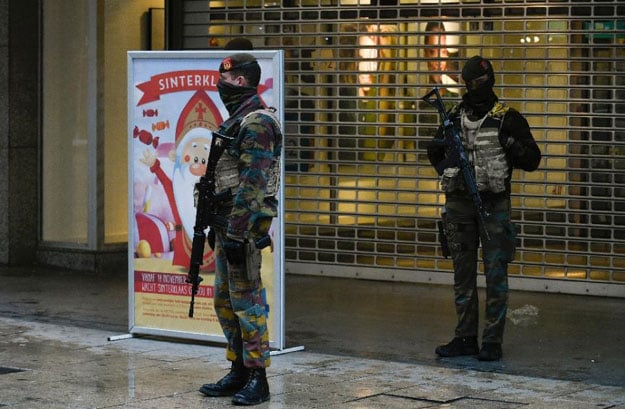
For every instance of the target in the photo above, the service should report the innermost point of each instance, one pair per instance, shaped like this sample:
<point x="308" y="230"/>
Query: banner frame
<point x="277" y="342"/>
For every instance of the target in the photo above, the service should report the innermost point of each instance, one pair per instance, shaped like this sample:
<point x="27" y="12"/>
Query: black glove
<point x="452" y="160"/>
<point x="216" y="220"/>
<point x="210" y="237"/>
<point x="235" y="252"/>
<point x="505" y="140"/>
<point x="511" y="146"/>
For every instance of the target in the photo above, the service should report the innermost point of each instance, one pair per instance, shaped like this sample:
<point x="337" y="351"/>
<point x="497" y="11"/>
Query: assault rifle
<point x="452" y="138"/>
<point x="206" y="212"/>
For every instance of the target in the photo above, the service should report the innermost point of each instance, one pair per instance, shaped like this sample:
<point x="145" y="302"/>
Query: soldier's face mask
<point x="477" y="83"/>
<point x="231" y="94"/>
<point x="227" y="89"/>
<point x="480" y="95"/>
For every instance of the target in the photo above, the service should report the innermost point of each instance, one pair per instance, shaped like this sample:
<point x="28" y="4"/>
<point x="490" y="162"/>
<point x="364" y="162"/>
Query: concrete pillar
<point x="19" y="123"/>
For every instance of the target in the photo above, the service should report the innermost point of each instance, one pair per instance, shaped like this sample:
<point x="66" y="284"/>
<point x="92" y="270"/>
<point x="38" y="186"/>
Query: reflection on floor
<point x="548" y="335"/>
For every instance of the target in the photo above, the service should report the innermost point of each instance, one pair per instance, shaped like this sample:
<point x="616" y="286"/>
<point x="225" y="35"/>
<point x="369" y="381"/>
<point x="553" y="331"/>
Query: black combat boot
<point x="229" y="384"/>
<point x="458" y="346"/>
<point x="255" y="391"/>
<point x="491" y="351"/>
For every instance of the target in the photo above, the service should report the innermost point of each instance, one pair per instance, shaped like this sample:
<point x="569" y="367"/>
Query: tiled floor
<point x="367" y="345"/>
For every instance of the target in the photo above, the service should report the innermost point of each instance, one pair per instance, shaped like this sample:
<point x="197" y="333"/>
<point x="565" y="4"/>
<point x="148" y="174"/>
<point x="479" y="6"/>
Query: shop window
<point x="67" y="133"/>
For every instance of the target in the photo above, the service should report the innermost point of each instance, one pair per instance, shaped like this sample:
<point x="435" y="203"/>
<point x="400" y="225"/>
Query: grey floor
<point x="564" y="337"/>
<point x="576" y="338"/>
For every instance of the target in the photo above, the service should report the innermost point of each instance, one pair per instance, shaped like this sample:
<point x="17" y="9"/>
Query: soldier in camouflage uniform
<point x="249" y="169"/>
<point x="497" y="139"/>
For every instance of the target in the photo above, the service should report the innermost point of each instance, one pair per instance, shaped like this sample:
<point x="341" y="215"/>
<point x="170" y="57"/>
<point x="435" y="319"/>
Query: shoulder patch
<point x="499" y="110"/>
<point x="454" y="110"/>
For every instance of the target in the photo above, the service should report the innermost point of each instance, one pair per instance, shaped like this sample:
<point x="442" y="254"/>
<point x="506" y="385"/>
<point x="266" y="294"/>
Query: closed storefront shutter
<point x="361" y="198"/>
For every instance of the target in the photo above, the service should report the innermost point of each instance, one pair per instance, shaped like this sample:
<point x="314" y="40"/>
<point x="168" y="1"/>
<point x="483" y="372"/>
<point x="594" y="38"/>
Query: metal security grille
<point x="361" y="197"/>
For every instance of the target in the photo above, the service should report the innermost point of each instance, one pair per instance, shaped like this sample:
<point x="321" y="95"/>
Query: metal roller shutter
<point x="361" y="197"/>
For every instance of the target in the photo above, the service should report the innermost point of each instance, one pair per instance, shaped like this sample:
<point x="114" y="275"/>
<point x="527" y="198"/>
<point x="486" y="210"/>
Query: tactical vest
<point x="485" y="153"/>
<point x="227" y="173"/>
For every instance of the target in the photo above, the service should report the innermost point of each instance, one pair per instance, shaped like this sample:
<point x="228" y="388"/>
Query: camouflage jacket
<point x="256" y="151"/>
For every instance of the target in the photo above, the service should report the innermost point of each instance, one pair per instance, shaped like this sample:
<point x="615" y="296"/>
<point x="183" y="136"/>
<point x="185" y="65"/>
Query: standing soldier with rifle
<point x="246" y="185"/>
<point x="480" y="144"/>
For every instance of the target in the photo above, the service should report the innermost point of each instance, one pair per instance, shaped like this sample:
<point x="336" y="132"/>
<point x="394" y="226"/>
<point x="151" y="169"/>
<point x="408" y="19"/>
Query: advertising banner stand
<point x="173" y="107"/>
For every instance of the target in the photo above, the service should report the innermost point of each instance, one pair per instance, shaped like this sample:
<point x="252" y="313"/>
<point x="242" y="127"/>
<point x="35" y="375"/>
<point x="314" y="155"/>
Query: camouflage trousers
<point x="241" y="307"/>
<point x="464" y="234"/>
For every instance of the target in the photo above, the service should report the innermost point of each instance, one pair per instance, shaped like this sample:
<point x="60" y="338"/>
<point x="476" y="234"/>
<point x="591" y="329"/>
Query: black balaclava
<point x="479" y="79"/>
<point x="233" y="95"/>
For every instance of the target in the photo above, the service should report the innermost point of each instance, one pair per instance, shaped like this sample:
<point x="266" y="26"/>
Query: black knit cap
<point x="477" y="66"/>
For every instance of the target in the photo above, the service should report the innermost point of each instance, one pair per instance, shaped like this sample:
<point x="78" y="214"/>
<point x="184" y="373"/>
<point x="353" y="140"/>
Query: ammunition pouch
<point x="442" y="238"/>
<point x="235" y="252"/>
<point x="227" y="173"/>
<point x="245" y="256"/>
<point x="253" y="260"/>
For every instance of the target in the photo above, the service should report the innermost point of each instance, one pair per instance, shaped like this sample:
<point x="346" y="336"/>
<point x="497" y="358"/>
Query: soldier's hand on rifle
<point x="218" y="221"/>
<point x="210" y="237"/>
<point x="452" y="159"/>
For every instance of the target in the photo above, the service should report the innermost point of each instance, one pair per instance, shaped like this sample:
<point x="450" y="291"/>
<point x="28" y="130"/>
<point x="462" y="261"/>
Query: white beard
<point x="184" y="184"/>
